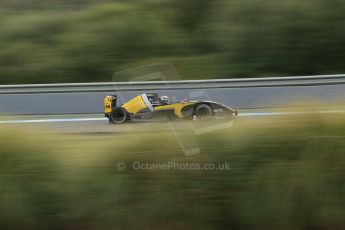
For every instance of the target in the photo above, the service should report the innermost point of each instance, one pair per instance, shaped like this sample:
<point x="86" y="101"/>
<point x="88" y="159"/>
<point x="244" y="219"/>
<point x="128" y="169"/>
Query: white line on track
<point x="254" y="114"/>
<point x="52" y="120"/>
<point x="249" y="114"/>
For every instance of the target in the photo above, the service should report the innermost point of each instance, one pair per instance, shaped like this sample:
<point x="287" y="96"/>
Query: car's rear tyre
<point x="118" y="115"/>
<point x="203" y="111"/>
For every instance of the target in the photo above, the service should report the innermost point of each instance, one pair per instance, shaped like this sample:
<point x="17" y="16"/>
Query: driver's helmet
<point x="165" y="99"/>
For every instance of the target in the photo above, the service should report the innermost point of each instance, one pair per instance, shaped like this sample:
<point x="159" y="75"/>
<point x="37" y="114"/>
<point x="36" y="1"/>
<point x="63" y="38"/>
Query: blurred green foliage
<point x="286" y="173"/>
<point x="83" y="41"/>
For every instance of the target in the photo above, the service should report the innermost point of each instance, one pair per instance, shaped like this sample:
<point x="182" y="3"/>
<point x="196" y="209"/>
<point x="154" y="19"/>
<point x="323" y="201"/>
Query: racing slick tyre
<point x="118" y="115"/>
<point x="203" y="111"/>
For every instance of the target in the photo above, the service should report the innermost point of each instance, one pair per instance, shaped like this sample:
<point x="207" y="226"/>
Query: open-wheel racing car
<point x="149" y="105"/>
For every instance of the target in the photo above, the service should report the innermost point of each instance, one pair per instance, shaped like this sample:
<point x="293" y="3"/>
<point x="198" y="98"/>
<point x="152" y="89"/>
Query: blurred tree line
<point x="84" y="41"/>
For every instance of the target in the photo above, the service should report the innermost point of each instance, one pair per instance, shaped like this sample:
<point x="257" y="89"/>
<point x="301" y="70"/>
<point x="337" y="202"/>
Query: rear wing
<point x="109" y="103"/>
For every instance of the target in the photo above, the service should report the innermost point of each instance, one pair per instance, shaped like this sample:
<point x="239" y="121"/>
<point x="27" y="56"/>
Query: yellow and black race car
<point x="149" y="105"/>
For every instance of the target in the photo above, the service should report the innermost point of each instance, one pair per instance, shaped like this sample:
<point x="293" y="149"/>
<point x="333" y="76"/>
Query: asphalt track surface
<point x="239" y="98"/>
<point x="97" y="123"/>
<point x="77" y="108"/>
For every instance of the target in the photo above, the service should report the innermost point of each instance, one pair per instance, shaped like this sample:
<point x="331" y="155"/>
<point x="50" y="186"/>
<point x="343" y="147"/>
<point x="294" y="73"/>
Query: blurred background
<point x="287" y="172"/>
<point x="47" y="41"/>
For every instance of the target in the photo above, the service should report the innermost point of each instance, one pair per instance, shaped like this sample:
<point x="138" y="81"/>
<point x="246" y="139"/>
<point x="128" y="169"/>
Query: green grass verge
<point x="286" y="173"/>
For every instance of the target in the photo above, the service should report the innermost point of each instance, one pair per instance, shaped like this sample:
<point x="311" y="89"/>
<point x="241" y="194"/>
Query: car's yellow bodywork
<point x="134" y="105"/>
<point x="137" y="104"/>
